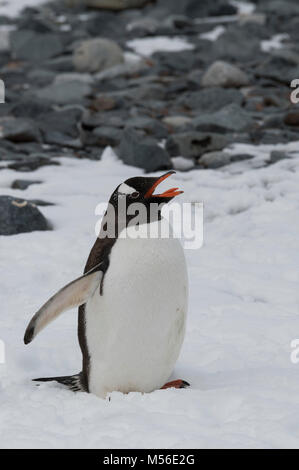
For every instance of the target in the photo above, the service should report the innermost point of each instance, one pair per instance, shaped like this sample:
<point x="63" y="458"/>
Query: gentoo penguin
<point x="132" y="300"/>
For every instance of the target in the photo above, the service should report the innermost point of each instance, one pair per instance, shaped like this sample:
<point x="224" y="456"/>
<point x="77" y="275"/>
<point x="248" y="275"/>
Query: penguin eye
<point x="135" y="195"/>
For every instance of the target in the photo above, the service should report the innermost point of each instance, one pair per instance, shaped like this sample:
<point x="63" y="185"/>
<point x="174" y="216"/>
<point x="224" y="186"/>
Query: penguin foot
<point x="176" y="384"/>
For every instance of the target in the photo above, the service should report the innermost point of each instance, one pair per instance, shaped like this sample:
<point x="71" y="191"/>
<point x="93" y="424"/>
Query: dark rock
<point x="142" y="152"/>
<point x="276" y="156"/>
<point x="20" y="216"/>
<point x="61" y="140"/>
<point x="278" y="69"/>
<point x="65" y="92"/>
<point x="181" y="61"/>
<point x="273" y="136"/>
<point x="177" y="86"/>
<point x="8" y="151"/>
<point x="239" y="157"/>
<point x="30" y="107"/>
<point x="63" y="63"/>
<point x="28" y="45"/>
<point x="149" y="125"/>
<point x="66" y="122"/>
<point x="210" y="99"/>
<point x="292" y="118"/>
<point x="273" y="121"/>
<point x="194" y="144"/>
<point x="38" y="25"/>
<point x="235" y="45"/>
<point x="39" y="202"/>
<point x="23" y="184"/>
<point x="231" y="118"/>
<point x="152" y="91"/>
<point x="156" y="108"/>
<point x="270" y="96"/>
<point x="92" y="120"/>
<point x="194" y="79"/>
<point x="19" y="130"/>
<point x="196" y="8"/>
<point x="106" y="136"/>
<point x="178" y="22"/>
<point x="41" y="77"/>
<point x="31" y="163"/>
<point x="114" y="4"/>
<point x="282" y="8"/>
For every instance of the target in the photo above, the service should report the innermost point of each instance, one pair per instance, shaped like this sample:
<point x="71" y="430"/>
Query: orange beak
<point x="172" y="192"/>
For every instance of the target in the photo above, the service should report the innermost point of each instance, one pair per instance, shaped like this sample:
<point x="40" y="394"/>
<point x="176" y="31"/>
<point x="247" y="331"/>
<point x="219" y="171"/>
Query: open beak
<point x="172" y="192"/>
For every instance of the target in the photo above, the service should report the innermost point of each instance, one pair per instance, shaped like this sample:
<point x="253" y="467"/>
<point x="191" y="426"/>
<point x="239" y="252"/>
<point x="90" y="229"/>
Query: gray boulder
<point x="64" y="93"/>
<point x="19" y="130"/>
<point x="210" y="99"/>
<point x="225" y="75"/>
<point x="236" y="45"/>
<point x="96" y="55"/>
<point x="196" y="8"/>
<point x="35" y="47"/>
<point x="145" y="153"/>
<point x="283" y="8"/>
<point x="23" y="184"/>
<point x="194" y="144"/>
<point x="105" y="135"/>
<point x="66" y="121"/>
<point x="62" y="127"/>
<point x="149" y="125"/>
<point x="19" y="216"/>
<point x="31" y="163"/>
<point x="231" y="118"/>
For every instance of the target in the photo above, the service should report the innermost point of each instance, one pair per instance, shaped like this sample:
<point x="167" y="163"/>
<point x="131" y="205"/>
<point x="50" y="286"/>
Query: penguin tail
<point x="72" y="382"/>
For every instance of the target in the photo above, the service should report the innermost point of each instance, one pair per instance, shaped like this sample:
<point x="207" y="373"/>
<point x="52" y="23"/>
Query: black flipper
<point x="72" y="382"/>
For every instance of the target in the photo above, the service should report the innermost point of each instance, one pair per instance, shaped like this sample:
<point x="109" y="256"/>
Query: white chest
<point x="135" y="330"/>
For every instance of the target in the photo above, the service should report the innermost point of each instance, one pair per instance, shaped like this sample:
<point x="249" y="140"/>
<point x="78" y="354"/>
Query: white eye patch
<point x="126" y="189"/>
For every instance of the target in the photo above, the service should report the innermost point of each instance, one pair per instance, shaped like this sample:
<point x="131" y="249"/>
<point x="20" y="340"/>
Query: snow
<point x="244" y="8"/>
<point x="147" y="46"/>
<point x="182" y="163"/>
<point x="243" y="314"/>
<point x="214" y="34"/>
<point x="13" y="7"/>
<point x="276" y="42"/>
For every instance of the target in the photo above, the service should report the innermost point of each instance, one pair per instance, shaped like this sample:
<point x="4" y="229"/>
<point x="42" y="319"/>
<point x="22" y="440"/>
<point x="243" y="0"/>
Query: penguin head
<point x="143" y="190"/>
<point x="136" y="191"/>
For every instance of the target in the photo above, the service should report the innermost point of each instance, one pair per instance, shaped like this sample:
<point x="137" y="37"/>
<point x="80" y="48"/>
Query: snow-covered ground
<point x="243" y="315"/>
